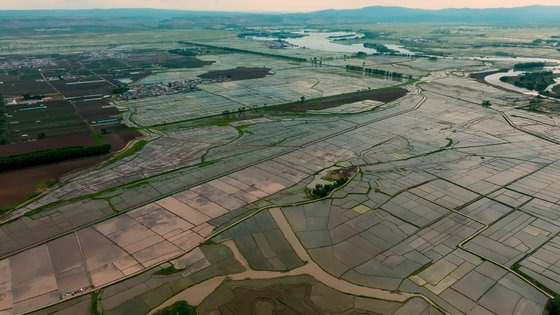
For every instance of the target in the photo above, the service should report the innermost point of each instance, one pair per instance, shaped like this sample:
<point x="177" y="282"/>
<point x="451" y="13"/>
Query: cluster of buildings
<point x="21" y="100"/>
<point x="16" y="63"/>
<point x="104" y="54"/>
<point x="151" y="90"/>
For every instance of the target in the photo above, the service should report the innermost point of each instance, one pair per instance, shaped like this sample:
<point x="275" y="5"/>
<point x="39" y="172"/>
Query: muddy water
<point x="196" y="294"/>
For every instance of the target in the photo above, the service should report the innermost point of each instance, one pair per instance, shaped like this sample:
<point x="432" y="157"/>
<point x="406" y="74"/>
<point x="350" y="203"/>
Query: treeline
<point x="372" y="71"/>
<point x="373" y="35"/>
<point x="380" y="48"/>
<point x="280" y="35"/>
<point x="237" y="50"/>
<point x="3" y="122"/>
<point x="49" y="156"/>
<point x="528" y="65"/>
<point x="535" y="43"/>
<point x="183" y="52"/>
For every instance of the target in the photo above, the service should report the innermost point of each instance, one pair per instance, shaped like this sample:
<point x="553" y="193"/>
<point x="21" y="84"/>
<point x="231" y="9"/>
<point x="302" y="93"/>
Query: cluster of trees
<point x="281" y="35"/>
<point x="373" y="35"/>
<point x="120" y="89"/>
<point x="528" y="65"/>
<point x="183" y="52"/>
<point x="29" y="96"/>
<point x="324" y="190"/>
<point x="178" y="308"/>
<point x="376" y="71"/>
<point x="380" y="48"/>
<point x="536" y="81"/>
<point x="52" y="155"/>
<point x="237" y="50"/>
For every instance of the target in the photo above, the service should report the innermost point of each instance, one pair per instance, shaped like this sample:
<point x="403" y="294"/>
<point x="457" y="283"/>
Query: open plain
<point x="274" y="181"/>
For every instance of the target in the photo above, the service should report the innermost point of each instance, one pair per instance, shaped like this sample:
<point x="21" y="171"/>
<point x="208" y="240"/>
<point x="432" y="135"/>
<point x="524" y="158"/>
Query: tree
<point x="103" y="131"/>
<point x="302" y="99"/>
<point x="178" y="308"/>
<point x="41" y="135"/>
<point x="486" y="104"/>
<point x="553" y="306"/>
<point x="120" y="88"/>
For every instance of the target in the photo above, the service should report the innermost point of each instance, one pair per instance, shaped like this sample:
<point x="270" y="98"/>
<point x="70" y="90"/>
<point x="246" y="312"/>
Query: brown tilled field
<point x="83" y="87"/>
<point x="18" y="185"/>
<point x="83" y="139"/>
<point x="237" y="74"/>
<point x="119" y="140"/>
<point x="20" y="87"/>
<point x="381" y="95"/>
<point x="95" y="110"/>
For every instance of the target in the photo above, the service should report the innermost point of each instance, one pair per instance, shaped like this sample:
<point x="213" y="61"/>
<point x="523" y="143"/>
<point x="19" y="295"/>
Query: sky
<point x="263" y="5"/>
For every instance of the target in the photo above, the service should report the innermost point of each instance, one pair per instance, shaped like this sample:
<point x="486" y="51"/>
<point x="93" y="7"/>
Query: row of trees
<point x="382" y="49"/>
<point x="528" y="65"/>
<point x="372" y="71"/>
<point x="240" y="112"/>
<point x="3" y="122"/>
<point x="183" y="52"/>
<point x="237" y="50"/>
<point x="52" y="155"/>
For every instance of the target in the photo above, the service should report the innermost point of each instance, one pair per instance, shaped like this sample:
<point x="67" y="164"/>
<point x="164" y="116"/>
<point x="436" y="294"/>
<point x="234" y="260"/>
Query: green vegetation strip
<point x="97" y="138"/>
<point x="237" y="50"/>
<point x="94" y="303"/>
<point x="137" y="146"/>
<point x="372" y="71"/>
<point x="49" y="156"/>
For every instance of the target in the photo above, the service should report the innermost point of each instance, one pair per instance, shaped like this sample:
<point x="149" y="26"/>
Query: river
<point x="324" y="41"/>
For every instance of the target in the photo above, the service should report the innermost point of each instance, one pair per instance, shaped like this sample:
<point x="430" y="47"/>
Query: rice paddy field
<point x="446" y="202"/>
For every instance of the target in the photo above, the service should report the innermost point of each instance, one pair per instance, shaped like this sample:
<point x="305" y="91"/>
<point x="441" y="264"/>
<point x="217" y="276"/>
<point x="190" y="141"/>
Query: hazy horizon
<point x="253" y="5"/>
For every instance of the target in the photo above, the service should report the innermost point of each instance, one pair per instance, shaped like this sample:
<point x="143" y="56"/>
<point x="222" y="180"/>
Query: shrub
<point x="178" y="308"/>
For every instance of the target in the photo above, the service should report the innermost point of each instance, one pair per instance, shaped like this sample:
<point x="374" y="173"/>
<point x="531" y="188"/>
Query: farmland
<point x="59" y="101"/>
<point x="250" y="178"/>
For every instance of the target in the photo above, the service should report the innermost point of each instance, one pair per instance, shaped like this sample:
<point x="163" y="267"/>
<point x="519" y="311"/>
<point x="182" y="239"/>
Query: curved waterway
<point x="494" y="79"/>
<point x="324" y="41"/>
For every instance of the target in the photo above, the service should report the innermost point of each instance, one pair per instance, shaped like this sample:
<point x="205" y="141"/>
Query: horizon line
<point x="277" y="12"/>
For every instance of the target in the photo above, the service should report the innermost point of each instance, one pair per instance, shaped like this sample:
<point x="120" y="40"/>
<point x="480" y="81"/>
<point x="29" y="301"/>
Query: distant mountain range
<point x="520" y="15"/>
<point x="530" y="15"/>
